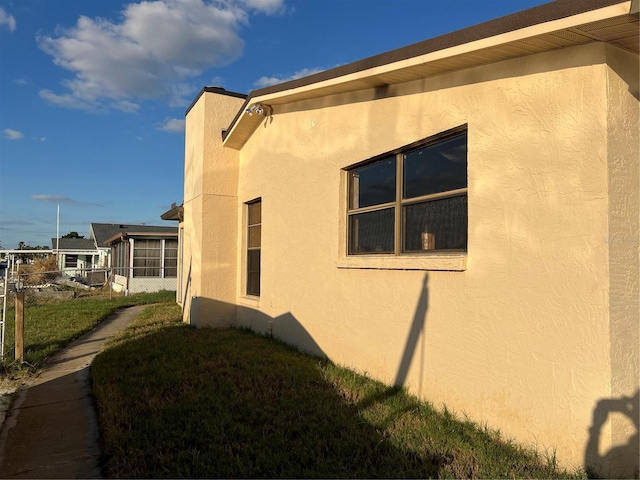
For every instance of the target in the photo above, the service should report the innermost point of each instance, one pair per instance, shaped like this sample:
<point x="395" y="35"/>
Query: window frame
<point x="147" y="258"/>
<point x="400" y="257"/>
<point x="160" y="256"/>
<point x="250" y="248"/>
<point x="170" y="271"/>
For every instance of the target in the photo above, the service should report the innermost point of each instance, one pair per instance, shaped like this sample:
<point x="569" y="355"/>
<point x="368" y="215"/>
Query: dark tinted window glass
<point x="253" y="272"/>
<point x="436" y="168"/>
<point x="373" y="184"/>
<point x="436" y="225"/>
<point x="255" y="235"/>
<point x="254" y="231"/>
<point x="371" y="232"/>
<point x="255" y="213"/>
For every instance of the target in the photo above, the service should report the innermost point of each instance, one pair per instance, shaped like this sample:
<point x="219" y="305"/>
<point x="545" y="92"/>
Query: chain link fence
<point x="37" y="292"/>
<point x="53" y="285"/>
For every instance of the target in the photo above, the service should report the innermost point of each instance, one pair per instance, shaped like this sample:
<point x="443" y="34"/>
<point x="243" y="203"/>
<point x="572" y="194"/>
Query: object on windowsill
<point x="428" y="241"/>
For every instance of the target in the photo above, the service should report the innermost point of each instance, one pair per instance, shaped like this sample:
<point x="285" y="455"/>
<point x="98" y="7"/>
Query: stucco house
<point x="459" y="216"/>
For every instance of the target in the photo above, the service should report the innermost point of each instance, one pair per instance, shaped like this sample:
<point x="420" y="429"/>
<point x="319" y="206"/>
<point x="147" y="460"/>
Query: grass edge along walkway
<point x="51" y="326"/>
<point x="178" y="402"/>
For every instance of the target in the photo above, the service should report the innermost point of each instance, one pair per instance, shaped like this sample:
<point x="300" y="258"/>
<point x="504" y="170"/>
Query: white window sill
<point x="455" y="262"/>
<point x="249" y="301"/>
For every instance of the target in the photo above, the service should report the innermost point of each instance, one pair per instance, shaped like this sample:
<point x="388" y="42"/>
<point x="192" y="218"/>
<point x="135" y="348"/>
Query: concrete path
<point x="51" y="431"/>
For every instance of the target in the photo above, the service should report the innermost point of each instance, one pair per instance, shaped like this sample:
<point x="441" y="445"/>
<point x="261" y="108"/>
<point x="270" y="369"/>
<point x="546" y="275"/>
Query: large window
<point x="155" y="258"/>
<point x="254" y="234"/>
<point x="146" y="258"/>
<point x="410" y="201"/>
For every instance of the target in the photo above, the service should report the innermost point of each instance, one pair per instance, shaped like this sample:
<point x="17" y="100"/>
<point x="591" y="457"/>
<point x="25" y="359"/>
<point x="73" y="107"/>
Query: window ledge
<point x="249" y="301"/>
<point x="456" y="262"/>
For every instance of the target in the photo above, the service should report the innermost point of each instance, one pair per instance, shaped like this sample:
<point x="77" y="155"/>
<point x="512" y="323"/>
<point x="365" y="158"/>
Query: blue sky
<point x="93" y="92"/>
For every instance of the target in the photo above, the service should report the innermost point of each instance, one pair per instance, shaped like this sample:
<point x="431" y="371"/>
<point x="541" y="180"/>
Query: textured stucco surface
<point x="496" y="340"/>
<point x="522" y="333"/>
<point x="623" y="240"/>
<point x="210" y="209"/>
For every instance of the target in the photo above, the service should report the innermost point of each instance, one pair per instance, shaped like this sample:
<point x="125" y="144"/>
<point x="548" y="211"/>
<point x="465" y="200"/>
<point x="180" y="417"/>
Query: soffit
<point x="620" y="30"/>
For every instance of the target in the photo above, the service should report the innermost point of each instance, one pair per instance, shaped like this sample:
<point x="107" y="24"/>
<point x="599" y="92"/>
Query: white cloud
<point x="53" y="199"/>
<point x="12" y="134"/>
<point x="62" y="199"/>
<point x="68" y="100"/>
<point x="21" y="81"/>
<point x="126" y="106"/>
<point x="266" y="6"/>
<point x="182" y="94"/>
<point x="133" y="60"/>
<point x="217" y="81"/>
<point x="268" y="81"/>
<point x="8" y="20"/>
<point x="171" y="125"/>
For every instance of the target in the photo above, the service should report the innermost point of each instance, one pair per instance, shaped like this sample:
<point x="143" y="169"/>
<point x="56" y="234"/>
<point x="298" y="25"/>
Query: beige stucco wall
<point x="210" y="209"/>
<point x="522" y="338"/>
<point x="623" y="240"/>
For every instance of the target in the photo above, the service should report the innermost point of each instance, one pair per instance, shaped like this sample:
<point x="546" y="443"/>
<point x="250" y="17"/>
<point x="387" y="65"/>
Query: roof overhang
<point x="551" y="26"/>
<point x="176" y="212"/>
<point x="124" y="236"/>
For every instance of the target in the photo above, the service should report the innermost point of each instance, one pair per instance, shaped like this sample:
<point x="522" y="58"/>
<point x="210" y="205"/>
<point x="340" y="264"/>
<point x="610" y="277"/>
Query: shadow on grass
<point x="228" y="403"/>
<point x="175" y="401"/>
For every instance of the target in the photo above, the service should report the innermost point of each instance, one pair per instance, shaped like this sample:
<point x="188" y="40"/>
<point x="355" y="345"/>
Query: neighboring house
<point x="76" y="256"/>
<point x="459" y="216"/>
<point x="144" y="261"/>
<point x="101" y="232"/>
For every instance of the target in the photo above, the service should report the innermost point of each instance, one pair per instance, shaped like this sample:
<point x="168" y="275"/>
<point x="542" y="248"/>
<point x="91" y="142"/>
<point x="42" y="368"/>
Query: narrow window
<point x="412" y="200"/>
<point x="254" y="234"/>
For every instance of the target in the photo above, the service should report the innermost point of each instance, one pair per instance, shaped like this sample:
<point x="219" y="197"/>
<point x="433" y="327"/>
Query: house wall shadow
<point x="284" y="327"/>
<point x="304" y="414"/>
<point x="621" y="461"/>
<point x="416" y="333"/>
<point x="287" y="328"/>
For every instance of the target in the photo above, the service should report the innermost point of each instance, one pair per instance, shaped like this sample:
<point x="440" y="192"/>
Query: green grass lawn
<point x="51" y="325"/>
<point x="178" y="402"/>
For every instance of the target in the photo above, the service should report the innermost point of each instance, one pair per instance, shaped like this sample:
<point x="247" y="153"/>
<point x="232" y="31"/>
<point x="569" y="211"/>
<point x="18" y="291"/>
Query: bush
<point x="42" y="270"/>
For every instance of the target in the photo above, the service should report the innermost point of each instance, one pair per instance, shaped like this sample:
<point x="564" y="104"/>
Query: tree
<point x="72" y="235"/>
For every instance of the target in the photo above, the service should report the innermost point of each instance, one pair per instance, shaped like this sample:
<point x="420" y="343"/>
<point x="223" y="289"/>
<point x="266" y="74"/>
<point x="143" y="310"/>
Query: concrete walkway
<point x="51" y="431"/>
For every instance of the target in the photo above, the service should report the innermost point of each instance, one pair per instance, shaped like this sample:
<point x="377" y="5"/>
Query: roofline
<point x="219" y="91"/>
<point x="153" y="234"/>
<point x="122" y="236"/>
<point x="548" y="12"/>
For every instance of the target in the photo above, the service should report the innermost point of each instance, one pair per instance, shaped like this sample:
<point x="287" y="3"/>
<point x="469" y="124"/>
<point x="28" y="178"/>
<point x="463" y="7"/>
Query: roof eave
<point x="368" y="73"/>
<point x="175" y="213"/>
